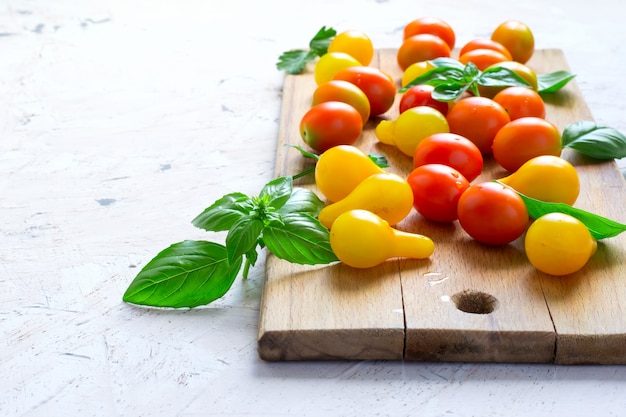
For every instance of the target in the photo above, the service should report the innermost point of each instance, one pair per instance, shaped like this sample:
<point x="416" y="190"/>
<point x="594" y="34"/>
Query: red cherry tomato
<point x="421" y="95"/>
<point x="478" y="119"/>
<point x="377" y="86"/>
<point x="329" y="124"/>
<point x="452" y="150"/>
<point x="436" y="191"/>
<point x="492" y="213"/>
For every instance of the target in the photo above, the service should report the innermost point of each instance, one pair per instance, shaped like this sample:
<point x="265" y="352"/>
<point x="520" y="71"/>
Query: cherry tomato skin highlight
<point x="478" y="119"/>
<point x="421" y="95"/>
<point x="422" y="47"/>
<point x="436" y="191"/>
<point x="492" y="213"/>
<point x="521" y="102"/>
<point x="377" y="86"/>
<point x="452" y="150"/>
<point x="524" y="139"/>
<point x="330" y="124"/>
<point x="433" y="26"/>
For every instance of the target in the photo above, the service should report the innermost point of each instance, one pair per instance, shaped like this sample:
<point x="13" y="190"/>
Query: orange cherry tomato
<point x="339" y="90"/>
<point x="329" y="124"/>
<point x="523" y="139"/>
<point x="521" y="102"/>
<point x="484" y="43"/>
<point x="517" y="38"/>
<point x="422" y="47"/>
<point x="478" y="119"/>
<point x="482" y="58"/>
<point x="433" y="26"/>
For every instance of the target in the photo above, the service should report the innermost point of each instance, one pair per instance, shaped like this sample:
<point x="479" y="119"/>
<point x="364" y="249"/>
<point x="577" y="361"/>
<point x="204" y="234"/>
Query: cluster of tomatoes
<point x="448" y="141"/>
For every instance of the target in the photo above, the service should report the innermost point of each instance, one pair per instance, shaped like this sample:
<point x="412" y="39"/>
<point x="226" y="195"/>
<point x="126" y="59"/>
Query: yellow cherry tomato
<point x="415" y="70"/>
<point x="558" y="244"/>
<point x="547" y="178"/>
<point x="340" y="169"/>
<point x="386" y="195"/>
<point x="330" y="64"/>
<point x="361" y="239"/>
<point x="354" y="43"/>
<point x="413" y="125"/>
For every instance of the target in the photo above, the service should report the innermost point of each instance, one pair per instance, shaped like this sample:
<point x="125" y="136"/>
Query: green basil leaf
<point x="446" y="62"/>
<point x="242" y="236"/>
<point x="501" y="77"/>
<point x="437" y="76"/>
<point x="302" y="201"/>
<point x="186" y="274"/>
<point x="299" y="239"/>
<point x="471" y="71"/>
<point x="294" y="62"/>
<point x="599" y="227"/>
<point x="380" y="160"/>
<point x="598" y="142"/>
<point x="553" y="81"/>
<point x="449" y="92"/>
<point x="320" y="42"/>
<point x="277" y="191"/>
<point x="223" y="213"/>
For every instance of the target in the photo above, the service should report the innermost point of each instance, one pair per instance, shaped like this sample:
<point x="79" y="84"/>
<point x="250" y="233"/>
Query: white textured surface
<point x="122" y="120"/>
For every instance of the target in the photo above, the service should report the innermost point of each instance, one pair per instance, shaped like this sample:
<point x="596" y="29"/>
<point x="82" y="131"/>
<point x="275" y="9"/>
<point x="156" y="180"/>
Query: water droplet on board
<point x="435" y="278"/>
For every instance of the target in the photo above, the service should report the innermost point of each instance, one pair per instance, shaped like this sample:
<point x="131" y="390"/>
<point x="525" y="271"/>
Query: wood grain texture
<point x="418" y="309"/>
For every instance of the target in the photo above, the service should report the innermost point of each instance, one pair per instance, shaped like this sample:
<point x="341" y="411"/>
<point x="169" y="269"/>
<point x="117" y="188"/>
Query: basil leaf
<point x="186" y="274"/>
<point x="320" y="42"/>
<point x="299" y="239"/>
<point x="449" y="92"/>
<point x="446" y="62"/>
<point x="599" y="227"/>
<point x="471" y="71"/>
<point x="380" y="160"/>
<point x="501" y="77"/>
<point x="222" y="214"/>
<point x="437" y="76"/>
<point x="302" y="201"/>
<point x="243" y="236"/>
<point x="277" y="191"/>
<point x="598" y="142"/>
<point x="553" y="81"/>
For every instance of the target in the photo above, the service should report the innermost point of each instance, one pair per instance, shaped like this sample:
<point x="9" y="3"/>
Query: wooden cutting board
<point x="436" y="309"/>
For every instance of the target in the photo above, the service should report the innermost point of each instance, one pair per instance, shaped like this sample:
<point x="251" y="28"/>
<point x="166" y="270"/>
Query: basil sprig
<point x="600" y="142"/>
<point x="192" y="273"/>
<point x="599" y="227"/>
<point x="451" y="79"/>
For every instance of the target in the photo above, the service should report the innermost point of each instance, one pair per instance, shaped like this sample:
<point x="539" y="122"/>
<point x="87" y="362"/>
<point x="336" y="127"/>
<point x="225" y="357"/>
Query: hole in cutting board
<point x="474" y="302"/>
